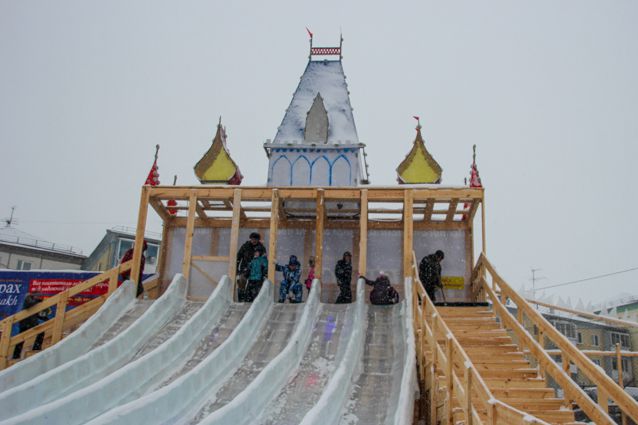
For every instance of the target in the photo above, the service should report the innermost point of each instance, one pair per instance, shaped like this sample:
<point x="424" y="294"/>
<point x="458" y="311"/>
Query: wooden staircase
<point x="501" y="364"/>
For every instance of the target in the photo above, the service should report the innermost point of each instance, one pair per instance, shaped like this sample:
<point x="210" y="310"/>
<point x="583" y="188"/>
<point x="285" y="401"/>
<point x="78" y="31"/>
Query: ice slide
<point x="259" y="363"/>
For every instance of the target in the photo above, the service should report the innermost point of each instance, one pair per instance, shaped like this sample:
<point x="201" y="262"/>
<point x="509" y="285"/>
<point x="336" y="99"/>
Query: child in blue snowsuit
<point x="292" y="274"/>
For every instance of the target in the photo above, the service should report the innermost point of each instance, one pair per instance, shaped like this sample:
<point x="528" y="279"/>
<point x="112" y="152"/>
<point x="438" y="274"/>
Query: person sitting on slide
<point x="382" y="293"/>
<point x="292" y="274"/>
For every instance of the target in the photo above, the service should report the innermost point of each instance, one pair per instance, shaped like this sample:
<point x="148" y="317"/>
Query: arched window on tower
<point x="281" y="171"/>
<point x="341" y="172"/>
<point x="301" y="171"/>
<point x="320" y="172"/>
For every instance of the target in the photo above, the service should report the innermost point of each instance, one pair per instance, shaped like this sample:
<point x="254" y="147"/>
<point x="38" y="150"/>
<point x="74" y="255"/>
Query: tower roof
<point x="419" y="166"/>
<point x="325" y="77"/>
<point x="216" y="166"/>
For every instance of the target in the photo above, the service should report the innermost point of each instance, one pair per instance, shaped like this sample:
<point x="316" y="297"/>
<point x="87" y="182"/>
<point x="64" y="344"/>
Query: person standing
<point x="257" y="272"/>
<point x="382" y="293"/>
<point x="128" y="256"/>
<point x="311" y="273"/>
<point x="245" y="255"/>
<point x="292" y="274"/>
<point x="430" y="273"/>
<point x="343" y="272"/>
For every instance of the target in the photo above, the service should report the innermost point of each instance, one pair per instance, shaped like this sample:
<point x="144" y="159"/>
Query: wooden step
<point x="496" y="383"/>
<point x="490" y="364"/>
<point x="489" y="349"/>
<point x="553" y="416"/>
<point x="535" y="404"/>
<point x="517" y="393"/>
<point x="509" y="374"/>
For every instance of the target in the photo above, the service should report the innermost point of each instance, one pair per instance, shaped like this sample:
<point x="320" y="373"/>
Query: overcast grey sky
<point x="548" y="90"/>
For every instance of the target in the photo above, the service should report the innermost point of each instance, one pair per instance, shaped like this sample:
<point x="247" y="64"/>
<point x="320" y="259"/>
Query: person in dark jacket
<point x="343" y="272"/>
<point x="128" y="256"/>
<point x="257" y="272"/>
<point x="245" y="255"/>
<point x="430" y="273"/>
<point x="290" y="284"/>
<point x="382" y="293"/>
<point x="31" y="322"/>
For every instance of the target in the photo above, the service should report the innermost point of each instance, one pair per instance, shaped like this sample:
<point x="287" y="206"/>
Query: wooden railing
<point x="439" y="359"/>
<point x="499" y="292"/>
<point x="63" y="320"/>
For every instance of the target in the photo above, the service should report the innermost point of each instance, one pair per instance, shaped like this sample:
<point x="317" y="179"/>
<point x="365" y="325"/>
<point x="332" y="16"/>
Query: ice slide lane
<point x="331" y="334"/>
<point x="375" y="382"/>
<point x="117" y="306"/>
<point x="180" y="396"/>
<point x="248" y="404"/>
<point x="96" y="363"/>
<point x="157" y="360"/>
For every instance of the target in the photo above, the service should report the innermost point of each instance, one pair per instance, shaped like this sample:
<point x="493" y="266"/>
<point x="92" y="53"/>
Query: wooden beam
<point x="408" y="230"/>
<point x="234" y="238"/>
<point x="200" y="211"/>
<point x="321" y="213"/>
<point x="160" y="209"/>
<point x="452" y="210"/>
<point x="272" y="242"/>
<point x="188" y="239"/>
<point x="58" y="321"/>
<point x="210" y="258"/>
<point x="363" y="233"/>
<point x="608" y="320"/>
<point x="161" y="262"/>
<point x="429" y="208"/>
<point x="139" y="234"/>
<point x="483" y="243"/>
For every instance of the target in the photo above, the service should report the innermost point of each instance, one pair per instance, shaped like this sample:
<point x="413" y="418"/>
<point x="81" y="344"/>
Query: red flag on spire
<point x="309" y="33"/>
<point x="153" y="176"/>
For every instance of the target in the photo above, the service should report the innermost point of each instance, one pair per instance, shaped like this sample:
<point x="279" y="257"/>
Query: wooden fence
<point x="436" y="363"/>
<point x="64" y="321"/>
<point x="499" y="292"/>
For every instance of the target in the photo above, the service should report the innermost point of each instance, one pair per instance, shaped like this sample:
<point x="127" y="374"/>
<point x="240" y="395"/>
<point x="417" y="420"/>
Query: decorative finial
<point x="175" y="180"/>
<point x="156" y="152"/>
<point x="418" y="122"/>
<point x="474" y="154"/>
<point x="310" y="41"/>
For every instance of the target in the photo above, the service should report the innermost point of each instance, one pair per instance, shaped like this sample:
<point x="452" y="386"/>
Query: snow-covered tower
<point x="317" y="143"/>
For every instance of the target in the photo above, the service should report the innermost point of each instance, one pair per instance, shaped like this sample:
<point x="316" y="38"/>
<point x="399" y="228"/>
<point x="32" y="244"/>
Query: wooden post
<point x="623" y="417"/>
<point x="321" y="213"/>
<point x="272" y="242"/>
<point x="363" y="233"/>
<point x="188" y="239"/>
<point x="60" y="312"/>
<point x="139" y="235"/>
<point x="234" y="238"/>
<point x="113" y="280"/>
<point x="468" y="395"/>
<point x="484" y="245"/>
<point x="408" y="202"/>
<point x="449" y="378"/>
<point x="5" y="341"/>
<point x="433" y="394"/>
<point x="603" y="398"/>
<point x="161" y="261"/>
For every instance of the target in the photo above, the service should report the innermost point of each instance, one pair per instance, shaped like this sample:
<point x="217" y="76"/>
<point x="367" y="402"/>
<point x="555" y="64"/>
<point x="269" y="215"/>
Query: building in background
<point x="22" y="251"/>
<point x="114" y="244"/>
<point x="590" y="335"/>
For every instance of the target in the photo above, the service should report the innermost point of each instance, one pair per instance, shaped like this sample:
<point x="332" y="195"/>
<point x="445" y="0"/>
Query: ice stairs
<point x="503" y="367"/>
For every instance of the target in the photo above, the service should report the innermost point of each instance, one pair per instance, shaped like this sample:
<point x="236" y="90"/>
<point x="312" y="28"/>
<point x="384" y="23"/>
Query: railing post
<point x="491" y="412"/>
<point x="60" y="313"/>
<point x="433" y="395"/>
<point x="603" y="398"/>
<point x="113" y="280"/>
<point x="449" y="378"/>
<point x="468" y="396"/>
<point x="621" y="383"/>
<point x="5" y="341"/>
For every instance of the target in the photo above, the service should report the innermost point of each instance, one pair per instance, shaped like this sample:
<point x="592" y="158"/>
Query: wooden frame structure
<point x="406" y="208"/>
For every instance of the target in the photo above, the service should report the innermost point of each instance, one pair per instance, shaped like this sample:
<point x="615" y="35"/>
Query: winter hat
<point x="440" y="254"/>
<point x="293" y="260"/>
<point x="347" y="254"/>
<point x="260" y="249"/>
<point x="255" y="235"/>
